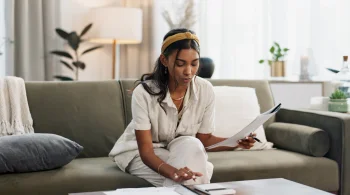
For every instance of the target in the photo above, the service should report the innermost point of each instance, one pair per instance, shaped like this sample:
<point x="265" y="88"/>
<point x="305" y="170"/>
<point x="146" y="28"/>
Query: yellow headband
<point x="178" y="37"/>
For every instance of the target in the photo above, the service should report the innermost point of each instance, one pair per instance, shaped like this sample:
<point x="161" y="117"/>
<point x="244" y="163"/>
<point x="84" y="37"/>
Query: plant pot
<point x="206" y="67"/>
<point x="278" y="69"/>
<point x="338" y="105"/>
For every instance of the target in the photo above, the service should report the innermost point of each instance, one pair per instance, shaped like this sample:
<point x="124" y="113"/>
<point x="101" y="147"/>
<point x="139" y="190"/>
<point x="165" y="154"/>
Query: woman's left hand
<point x="247" y="142"/>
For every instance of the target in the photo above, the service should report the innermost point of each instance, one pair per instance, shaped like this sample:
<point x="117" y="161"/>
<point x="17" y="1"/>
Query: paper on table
<point x="259" y="120"/>
<point x="143" y="191"/>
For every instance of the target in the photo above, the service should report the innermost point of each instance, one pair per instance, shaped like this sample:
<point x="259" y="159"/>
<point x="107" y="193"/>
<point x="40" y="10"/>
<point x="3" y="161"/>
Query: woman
<point x="173" y="118"/>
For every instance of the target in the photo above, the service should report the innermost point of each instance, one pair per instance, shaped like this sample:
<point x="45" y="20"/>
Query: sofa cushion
<point x="90" y="113"/>
<point x="318" y="172"/>
<point x="81" y="175"/>
<point x="299" y="138"/>
<point x="36" y="152"/>
<point x="235" y="108"/>
<point x="262" y="89"/>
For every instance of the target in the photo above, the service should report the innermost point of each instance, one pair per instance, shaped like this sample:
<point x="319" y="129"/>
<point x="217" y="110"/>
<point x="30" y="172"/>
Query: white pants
<point x="184" y="151"/>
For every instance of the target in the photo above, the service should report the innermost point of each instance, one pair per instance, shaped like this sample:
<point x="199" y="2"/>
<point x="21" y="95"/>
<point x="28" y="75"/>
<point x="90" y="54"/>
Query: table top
<point x="275" y="186"/>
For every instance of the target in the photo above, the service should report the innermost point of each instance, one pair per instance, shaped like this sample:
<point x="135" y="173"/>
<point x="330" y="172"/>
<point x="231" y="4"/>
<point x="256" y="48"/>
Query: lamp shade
<point x="116" y="23"/>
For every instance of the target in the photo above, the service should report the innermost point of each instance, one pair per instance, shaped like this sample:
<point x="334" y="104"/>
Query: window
<point x="236" y="34"/>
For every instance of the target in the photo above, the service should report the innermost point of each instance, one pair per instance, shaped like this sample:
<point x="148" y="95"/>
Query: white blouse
<point x="198" y="116"/>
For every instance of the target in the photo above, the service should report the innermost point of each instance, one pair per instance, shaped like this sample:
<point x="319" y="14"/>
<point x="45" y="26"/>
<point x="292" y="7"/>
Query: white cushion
<point x="235" y="108"/>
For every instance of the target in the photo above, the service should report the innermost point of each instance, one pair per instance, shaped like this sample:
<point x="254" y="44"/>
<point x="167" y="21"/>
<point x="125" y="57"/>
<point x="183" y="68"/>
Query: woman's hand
<point x="184" y="174"/>
<point x="247" y="142"/>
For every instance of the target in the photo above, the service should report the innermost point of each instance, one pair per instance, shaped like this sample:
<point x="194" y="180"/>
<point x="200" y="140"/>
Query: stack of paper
<point x="174" y="190"/>
<point x="143" y="191"/>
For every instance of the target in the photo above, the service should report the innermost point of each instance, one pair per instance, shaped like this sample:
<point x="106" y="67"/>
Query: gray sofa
<point x="94" y="114"/>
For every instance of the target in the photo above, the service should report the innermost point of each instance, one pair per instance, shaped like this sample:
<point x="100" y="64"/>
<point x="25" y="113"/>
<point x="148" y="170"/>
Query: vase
<point x="206" y="67"/>
<point x="338" y="105"/>
<point x="278" y="69"/>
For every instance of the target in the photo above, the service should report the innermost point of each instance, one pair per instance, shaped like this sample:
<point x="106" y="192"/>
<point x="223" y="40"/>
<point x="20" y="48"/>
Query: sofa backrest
<point x="95" y="114"/>
<point x="127" y="85"/>
<point x="262" y="88"/>
<point x="89" y="113"/>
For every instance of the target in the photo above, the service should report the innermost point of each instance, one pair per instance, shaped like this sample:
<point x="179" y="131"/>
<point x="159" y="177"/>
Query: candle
<point x="304" y="60"/>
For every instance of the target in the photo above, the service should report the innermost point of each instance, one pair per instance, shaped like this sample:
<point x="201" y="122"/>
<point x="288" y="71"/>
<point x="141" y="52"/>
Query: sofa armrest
<point x="337" y="125"/>
<point x="298" y="138"/>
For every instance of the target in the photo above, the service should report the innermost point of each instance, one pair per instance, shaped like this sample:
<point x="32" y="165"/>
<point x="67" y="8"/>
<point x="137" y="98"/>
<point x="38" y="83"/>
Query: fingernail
<point x="185" y="175"/>
<point x="175" y="176"/>
<point x="194" y="177"/>
<point x="246" y="137"/>
<point x="239" y="141"/>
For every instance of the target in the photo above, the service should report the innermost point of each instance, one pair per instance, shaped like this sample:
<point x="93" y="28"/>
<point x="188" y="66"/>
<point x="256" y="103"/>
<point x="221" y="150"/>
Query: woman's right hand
<point x="184" y="174"/>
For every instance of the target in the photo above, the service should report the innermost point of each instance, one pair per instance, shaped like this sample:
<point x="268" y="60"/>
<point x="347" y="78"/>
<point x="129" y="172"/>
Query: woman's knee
<point x="187" y="143"/>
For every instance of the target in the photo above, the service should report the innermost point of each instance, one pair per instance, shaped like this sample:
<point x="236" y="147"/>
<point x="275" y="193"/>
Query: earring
<point x="166" y="70"/>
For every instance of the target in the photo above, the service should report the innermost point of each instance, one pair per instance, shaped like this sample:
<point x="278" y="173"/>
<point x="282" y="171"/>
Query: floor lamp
<point x="116" y="25"/>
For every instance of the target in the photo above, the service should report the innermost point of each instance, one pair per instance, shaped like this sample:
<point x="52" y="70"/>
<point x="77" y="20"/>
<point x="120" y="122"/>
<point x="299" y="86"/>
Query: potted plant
<point x="338" y="102"/>
<point x="74" y="40"/>
<point x="277" y="63"/>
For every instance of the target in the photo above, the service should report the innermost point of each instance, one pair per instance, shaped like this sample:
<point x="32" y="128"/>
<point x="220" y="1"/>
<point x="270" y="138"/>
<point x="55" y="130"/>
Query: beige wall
<point x="99" y="62"/>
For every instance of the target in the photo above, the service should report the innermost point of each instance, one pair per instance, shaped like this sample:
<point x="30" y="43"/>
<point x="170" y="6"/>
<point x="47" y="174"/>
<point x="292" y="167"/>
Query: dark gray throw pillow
<point x="36" y="152"/>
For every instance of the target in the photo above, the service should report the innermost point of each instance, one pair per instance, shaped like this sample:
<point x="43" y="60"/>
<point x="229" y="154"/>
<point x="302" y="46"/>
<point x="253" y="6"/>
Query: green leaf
<point x="338" y="94"/>
<point x="272" y="49"/>
<point x="66" y="64"/>
<point x="261" y="61"/>
<point x="63" y="78"/>
<point x="62" y="33"/>
<point x="73" y="40"/>
<point x="332" y="70"/>
<point x="276" y="44"/>
<point x="285" y="49"/>
<point x="91" y="49"/>
<point x="278" y="56"/>
<point x="270" y="62"/>
<point x="79" y="64"/>
<point x="87" y="28"/>
<point x="62" y="53"/>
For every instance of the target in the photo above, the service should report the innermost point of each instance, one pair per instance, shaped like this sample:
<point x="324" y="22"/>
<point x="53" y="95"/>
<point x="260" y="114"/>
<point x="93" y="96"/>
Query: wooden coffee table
<point x="263" y="186"/>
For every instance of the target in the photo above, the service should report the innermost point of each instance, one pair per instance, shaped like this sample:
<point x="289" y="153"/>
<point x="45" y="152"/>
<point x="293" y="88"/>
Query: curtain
<point x="236" y="34"/>
<point x="136" y="60"/>
<point x="3" y="39"/>
<point x="31" y="24"/>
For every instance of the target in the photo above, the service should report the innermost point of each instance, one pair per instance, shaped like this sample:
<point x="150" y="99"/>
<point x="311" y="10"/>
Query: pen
<point x="257" y="139"/>
<point x="192" y="190"/>
<point x="216" y="189"/>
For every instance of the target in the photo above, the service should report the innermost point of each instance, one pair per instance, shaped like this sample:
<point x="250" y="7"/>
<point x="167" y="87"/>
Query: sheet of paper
<point x="143" y="191"/>
<point x="257" y="122"/>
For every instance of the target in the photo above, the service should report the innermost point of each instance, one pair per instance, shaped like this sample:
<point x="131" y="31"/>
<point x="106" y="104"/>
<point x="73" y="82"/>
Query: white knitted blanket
<point x="15" y="117"/>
